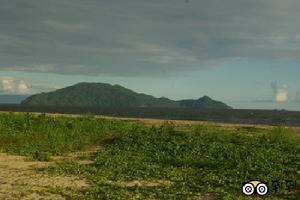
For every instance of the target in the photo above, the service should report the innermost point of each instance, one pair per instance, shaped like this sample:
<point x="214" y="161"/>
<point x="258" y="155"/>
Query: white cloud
<point x="280" y="92"/>
<point x="10" y="85"/>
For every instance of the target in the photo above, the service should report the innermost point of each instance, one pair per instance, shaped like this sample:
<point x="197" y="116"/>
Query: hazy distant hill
<point x="12" y="99"/>
<point x="106" y="95"/>
<point x="205" y="102"/>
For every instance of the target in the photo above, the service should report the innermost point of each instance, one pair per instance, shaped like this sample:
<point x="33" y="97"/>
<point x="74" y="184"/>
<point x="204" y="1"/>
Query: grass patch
<point x="195" y="161"/>
<point x="41" y="136"/>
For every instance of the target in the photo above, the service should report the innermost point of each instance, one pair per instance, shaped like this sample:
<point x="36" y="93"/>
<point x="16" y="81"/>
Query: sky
<point x="245" y="53"/>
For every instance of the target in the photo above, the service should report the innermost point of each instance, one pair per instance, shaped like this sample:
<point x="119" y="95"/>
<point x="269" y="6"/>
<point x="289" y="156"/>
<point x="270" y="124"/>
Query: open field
<point x="234" y="116"/>
<point x="88" y="157"/>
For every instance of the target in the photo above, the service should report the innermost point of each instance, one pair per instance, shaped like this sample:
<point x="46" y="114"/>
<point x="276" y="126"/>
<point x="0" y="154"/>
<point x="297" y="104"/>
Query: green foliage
<point x="205" y="103"/>
<point x="106" y="95"/>
<point x="188" y="163"/>
<point x="208" y="160"/>
<point x="40" y="156"/>
<point x="40" y="136"/>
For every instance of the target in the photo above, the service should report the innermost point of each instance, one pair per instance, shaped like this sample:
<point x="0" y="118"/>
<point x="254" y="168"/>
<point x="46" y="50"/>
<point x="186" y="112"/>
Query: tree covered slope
<point x="106" y="95"/>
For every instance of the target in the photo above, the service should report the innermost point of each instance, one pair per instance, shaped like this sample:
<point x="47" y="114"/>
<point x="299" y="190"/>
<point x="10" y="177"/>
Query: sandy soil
<point x="20" y="180"/>
<point x="145" y="183"/>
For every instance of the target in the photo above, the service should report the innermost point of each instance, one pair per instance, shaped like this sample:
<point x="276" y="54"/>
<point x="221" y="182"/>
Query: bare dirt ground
<point x="19" y="179"/>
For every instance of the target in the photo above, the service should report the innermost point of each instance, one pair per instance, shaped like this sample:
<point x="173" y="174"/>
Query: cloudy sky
<point x="246" y="53"/>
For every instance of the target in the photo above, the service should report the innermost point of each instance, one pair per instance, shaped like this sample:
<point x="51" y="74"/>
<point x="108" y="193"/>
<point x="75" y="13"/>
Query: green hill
<point x="204" y="102"/>
<point x="106" y="95"/>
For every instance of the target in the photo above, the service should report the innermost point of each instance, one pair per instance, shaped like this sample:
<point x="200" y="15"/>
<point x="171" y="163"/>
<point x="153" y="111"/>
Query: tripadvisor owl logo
<point x="255" y="187"/>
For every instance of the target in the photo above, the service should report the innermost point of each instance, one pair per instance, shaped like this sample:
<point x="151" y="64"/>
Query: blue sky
<point x="245" y="53"/>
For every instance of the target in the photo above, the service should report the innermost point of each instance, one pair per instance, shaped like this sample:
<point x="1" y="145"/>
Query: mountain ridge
<point x="107" y="95"/>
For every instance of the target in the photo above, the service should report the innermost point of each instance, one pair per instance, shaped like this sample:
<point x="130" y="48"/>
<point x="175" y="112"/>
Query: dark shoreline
<point x="267" y="117"/>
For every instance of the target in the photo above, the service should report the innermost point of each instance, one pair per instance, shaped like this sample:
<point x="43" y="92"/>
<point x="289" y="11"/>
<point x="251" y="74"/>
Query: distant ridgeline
<point x="106" y="95"/>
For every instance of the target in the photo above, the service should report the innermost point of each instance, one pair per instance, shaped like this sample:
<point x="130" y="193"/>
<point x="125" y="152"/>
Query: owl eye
<point x="248" y="189"/>
<point x="262" y="189"/>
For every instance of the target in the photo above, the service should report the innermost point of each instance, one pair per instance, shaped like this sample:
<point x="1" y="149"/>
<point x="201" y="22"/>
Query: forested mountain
<point x="106" y="95"/>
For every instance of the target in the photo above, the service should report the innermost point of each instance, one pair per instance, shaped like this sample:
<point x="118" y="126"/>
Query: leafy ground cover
<point x="159" y="161"/>
<point x="41" y="136"/>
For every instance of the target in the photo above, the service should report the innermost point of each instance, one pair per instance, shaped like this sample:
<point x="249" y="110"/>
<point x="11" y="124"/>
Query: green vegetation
<point x="157" y="162"/>
<point x="40" y="136"/>
<point x="204" y="103"/>
<point x="106" y="95"/>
